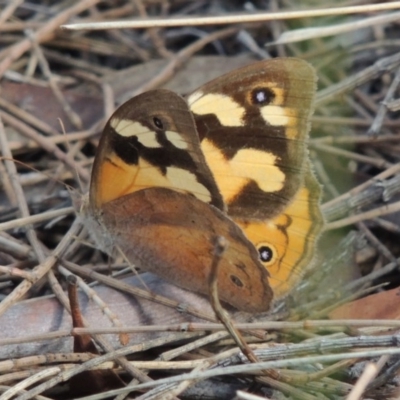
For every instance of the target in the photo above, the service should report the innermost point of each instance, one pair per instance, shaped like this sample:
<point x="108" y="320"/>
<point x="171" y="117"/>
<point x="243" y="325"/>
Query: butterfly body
<point x="171" y="176"/>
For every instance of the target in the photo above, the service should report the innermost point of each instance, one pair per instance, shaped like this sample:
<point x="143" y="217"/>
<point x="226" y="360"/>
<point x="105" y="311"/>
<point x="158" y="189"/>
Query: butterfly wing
<point x="253" y="125"/>
<point x="152" y="194"/>
<point x="173" y="234"/>
<point x="286" y="244"/>
<point x="151" y="141"/>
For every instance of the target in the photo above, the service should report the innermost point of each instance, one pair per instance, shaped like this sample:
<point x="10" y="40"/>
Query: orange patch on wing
<point x="291" y="237"/>
<point x="116" y="179"/>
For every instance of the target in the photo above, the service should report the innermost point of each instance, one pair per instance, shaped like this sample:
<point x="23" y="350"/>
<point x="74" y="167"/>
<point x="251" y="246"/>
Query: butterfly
<point x="171" y="175"/>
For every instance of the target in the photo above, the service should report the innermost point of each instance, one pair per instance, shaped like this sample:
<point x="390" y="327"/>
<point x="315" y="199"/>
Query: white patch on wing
<point x="176" y="139"/>
<point x="185" y="181"/>
<point x="228" y="111"/>
<point x="178" y="179"/>
<point x="275" y="115"/>
<point x="194" y="97"/>
<point x="129" y="128"/>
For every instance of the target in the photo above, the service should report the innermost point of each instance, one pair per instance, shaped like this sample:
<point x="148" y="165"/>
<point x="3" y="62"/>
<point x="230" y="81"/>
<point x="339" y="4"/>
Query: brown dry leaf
<point x="42" y="103"/>
<point x="384" y="305"/>
<point x="46" y="314"/>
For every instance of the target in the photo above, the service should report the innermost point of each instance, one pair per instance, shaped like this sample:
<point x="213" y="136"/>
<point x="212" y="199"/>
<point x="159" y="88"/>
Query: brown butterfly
<point x="171" y="175"/>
